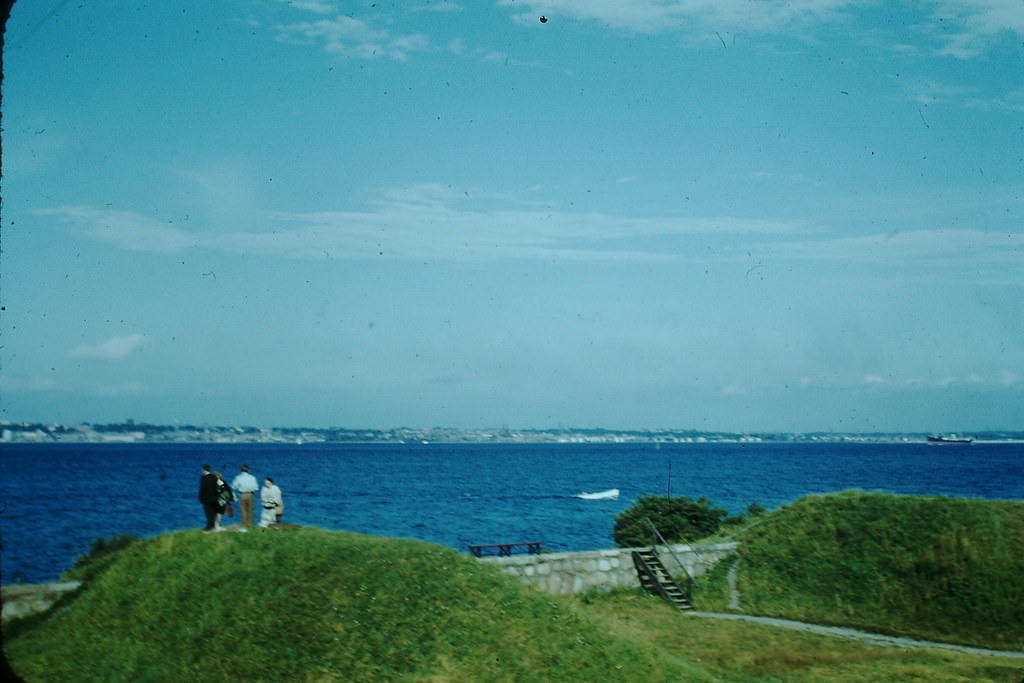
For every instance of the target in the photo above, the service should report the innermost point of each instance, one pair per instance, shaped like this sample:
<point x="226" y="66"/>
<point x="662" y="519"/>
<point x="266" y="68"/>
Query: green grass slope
<point x="314" y="605"/>
<point x="938" y="568"/>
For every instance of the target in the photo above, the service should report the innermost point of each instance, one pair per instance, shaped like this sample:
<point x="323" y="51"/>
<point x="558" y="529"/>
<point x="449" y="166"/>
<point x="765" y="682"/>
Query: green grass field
<point x="947" y="569"/>
<point x="309" y="604"/>
<point x="314" y="605"/>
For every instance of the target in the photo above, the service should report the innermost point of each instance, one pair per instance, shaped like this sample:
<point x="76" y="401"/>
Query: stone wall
<point x="21" y="600"/>
<point x="602" y="570"/>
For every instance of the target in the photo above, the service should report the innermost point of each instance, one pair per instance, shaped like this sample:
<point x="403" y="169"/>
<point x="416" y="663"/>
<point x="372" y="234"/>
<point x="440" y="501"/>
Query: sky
<point x="791" y="216"/>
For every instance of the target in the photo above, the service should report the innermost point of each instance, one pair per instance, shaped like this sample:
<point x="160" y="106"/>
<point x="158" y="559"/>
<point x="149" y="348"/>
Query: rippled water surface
<point x="58" y="498"/>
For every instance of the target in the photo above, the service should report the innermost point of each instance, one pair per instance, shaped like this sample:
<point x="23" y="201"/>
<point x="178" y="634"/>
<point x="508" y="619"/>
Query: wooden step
<point x="655" y="579"/>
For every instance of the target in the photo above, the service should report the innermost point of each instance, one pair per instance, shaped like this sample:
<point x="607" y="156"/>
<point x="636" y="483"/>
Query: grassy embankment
<point x="332" y="606"/>
<point x="309" y="604"/>
<point x="946" y="569"/>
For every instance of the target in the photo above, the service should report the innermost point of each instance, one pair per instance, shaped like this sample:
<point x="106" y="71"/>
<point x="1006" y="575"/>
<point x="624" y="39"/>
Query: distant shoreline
<point x="141" y="433"/>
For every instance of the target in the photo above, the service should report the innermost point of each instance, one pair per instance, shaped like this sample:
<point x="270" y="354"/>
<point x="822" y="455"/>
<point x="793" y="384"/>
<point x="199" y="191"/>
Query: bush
<point x="102" y="552"/>
<point x="755" y="509"/>
<point x="680" y="520"/>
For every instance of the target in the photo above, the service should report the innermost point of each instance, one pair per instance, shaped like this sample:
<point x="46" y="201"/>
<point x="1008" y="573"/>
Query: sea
<point x="58" y="498"/>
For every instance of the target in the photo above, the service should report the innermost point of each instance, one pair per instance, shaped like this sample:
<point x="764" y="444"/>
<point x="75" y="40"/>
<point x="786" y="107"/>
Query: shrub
<point x="755" y="509"/>
<point x="102" y="552"/>
<point x="679" y="520"/>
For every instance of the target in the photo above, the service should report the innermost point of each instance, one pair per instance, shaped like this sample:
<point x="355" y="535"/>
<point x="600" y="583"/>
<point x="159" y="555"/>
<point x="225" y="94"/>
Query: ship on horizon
<point x="944" y="439"/>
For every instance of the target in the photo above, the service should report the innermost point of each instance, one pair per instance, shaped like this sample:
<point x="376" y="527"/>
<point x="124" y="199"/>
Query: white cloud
<point x="114" y="348"/>
<point x="442" y="6"/>
<point x="428" y="221"/>
<point x="496" y="56"/>
<point x="999" y="380"/>
<point x="125" y="229"/>
<point x="222" y="189"/>
<point x="437" y="222"/>
<point x="938" y="248"/>
<point x="352" y="37"/>
<point x="1011" y="101"/>
<point x="964" y="27"/>
<point x="970" y="26"/>
<point x="655" y="16"/>
<point x="892" y="381"/>
<point x="315" y="6"/>
<point x="961" y="28"/>
<point x="934" y="92"/>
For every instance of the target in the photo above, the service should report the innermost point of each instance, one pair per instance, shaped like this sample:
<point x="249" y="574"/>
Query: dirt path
<point x="734" y="591"/>
<point x="861" y="636"/>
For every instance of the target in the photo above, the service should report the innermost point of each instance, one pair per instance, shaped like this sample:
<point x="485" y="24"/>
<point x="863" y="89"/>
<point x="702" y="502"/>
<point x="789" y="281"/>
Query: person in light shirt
<point x="247" y="486"/>
<point x="270" y="499"/>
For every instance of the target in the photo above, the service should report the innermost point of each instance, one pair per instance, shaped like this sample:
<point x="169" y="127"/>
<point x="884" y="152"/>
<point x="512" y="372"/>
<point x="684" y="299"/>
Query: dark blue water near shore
<point x="58" y="498"/>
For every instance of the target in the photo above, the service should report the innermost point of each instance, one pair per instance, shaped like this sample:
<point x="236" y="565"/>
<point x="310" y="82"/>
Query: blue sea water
<point x="58" y="498"/>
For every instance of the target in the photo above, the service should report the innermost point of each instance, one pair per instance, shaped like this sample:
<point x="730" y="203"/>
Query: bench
<point x="532" y="547"/>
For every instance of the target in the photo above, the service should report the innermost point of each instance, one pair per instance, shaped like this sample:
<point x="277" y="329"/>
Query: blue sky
<point x="785" y="216"/>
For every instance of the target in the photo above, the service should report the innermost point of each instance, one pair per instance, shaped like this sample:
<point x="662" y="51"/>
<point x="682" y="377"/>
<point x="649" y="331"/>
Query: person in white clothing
<point x="270" y="499"/>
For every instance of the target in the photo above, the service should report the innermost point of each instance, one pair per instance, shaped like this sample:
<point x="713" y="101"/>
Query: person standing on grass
<point x="224" y="498"/>
<point x="247" y="486"/>
<point x="270" y="499"/>
<point x="208" y="497"/>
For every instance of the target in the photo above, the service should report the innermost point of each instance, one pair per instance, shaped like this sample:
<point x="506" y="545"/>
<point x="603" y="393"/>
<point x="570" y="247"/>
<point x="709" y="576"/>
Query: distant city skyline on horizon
<point x="470" y="433"/>
<point x="786" y="217"/>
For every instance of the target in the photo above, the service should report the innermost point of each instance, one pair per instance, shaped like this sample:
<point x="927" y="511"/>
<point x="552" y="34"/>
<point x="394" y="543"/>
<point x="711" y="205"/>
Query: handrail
<point x="694" y="547"/>
<point x="744" y="529"/>
<point x="689" y="578"/>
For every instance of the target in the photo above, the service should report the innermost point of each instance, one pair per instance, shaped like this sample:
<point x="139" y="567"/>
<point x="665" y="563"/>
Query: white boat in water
<point x="611" y="494"/>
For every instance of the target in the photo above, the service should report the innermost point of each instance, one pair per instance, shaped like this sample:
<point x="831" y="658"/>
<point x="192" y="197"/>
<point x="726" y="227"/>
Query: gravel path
<point x="862" y="636"/>
<point x="734" y="591"/>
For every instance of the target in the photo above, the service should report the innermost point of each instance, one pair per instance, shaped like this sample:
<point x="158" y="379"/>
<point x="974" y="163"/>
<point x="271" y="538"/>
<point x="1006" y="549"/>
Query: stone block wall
<point x="21" y="600"/>
<point x="602" y="570"/>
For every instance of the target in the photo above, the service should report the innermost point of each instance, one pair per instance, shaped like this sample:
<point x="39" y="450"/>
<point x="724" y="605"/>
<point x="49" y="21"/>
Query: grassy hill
<point x="938" y="568"/>
<point x="309" y="604"/>
<point x="313" y="605"/>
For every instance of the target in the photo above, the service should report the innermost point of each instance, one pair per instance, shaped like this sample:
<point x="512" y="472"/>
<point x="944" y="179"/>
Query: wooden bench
<point x="532" y="547"/>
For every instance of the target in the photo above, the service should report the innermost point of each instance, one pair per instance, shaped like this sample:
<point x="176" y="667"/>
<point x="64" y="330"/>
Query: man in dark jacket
<point x="208" y="497"/>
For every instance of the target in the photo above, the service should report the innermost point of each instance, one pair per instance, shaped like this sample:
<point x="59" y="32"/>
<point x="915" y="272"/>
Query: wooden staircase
<point x="655" y="579"/>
